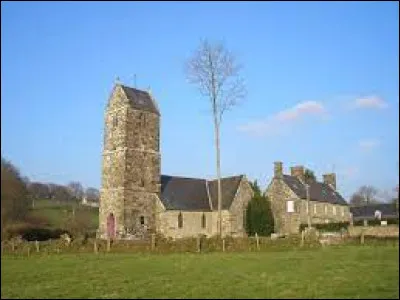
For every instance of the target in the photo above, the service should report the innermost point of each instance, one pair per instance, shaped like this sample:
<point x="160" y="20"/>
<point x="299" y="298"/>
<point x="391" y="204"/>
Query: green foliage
<point x="376" y="222"/>
<point x="259" y="217"/>
<point x="309" y="176"/>
<point x="328" y="227"/>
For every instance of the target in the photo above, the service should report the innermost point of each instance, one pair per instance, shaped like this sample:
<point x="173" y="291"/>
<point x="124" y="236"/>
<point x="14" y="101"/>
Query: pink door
<point x="111" y="225"/>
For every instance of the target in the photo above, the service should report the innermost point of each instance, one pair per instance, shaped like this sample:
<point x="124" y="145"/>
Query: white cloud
<point x="274" y="123"/>
<point x="368" y="144"/>
<point x="371" y="102"/>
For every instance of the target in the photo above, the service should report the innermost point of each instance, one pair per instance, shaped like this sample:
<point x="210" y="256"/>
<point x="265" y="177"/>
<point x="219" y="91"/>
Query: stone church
<point x="136" y="200"/>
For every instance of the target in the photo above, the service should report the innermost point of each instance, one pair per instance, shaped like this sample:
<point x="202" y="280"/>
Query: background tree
<point x="365" y="195"/>
<point x="215" y="72"/>
<point x="259" y="217"/>
<point x="92" y="194"/>
<point x="309" y="176"/>
<point x="14" y="194"/>
<point x="76" y="190"/>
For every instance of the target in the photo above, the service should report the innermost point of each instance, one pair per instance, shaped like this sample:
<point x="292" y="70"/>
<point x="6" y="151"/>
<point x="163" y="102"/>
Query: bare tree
<point x="365" y="195"/>
<point x="92" y="194"/>
<point x="215" y="72"/>
<point x="76" y="190"/>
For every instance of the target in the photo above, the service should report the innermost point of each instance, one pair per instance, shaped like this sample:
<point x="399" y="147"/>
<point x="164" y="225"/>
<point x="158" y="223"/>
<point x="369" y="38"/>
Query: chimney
<point x="298" y="171"/>
<point x="330" y="179"/>
<point x="278" y="169"/>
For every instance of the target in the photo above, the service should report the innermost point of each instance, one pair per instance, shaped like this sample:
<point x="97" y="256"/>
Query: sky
<point x="322" y="84"/>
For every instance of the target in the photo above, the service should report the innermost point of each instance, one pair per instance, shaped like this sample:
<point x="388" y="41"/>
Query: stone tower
<point x="130" y="181"/>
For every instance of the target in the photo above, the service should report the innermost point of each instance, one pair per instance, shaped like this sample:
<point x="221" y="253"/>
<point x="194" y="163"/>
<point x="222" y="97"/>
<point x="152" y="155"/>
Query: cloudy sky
<point x="322" y="82"/>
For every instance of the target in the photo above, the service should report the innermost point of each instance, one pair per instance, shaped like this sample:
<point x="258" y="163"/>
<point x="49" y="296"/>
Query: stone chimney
<point x="298" y="171"/>
<point x="330" y="179"/>
<point x="278" y="169"/>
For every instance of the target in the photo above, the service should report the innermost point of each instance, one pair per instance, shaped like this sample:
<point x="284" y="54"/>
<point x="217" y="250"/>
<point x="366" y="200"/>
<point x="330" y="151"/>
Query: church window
<point x="203" y="221"/>
<point x="141" y="220"/>
<point x="180" y="220"/>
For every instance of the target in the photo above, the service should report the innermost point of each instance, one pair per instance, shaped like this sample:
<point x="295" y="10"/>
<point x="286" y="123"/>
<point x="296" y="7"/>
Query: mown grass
<point x="332" y="272"/>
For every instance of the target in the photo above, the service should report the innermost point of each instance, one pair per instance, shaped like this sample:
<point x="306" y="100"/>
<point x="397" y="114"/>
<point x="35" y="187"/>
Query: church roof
<point x="319" y="191"/>
<point x="192" y="194"/>
<point x="139" y="99"/>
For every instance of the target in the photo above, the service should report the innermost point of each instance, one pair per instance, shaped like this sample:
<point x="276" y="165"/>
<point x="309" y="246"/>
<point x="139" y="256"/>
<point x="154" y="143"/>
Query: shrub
<point x="328" y="227"/>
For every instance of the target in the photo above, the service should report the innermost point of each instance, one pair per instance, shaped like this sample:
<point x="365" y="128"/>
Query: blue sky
<point x="322" y="81"/>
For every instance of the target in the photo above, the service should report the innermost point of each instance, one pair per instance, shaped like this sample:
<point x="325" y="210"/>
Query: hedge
<point x="327" y="227"/>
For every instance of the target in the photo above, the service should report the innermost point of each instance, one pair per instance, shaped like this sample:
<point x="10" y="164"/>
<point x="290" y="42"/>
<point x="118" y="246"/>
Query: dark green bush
<point x="328" y="227"/>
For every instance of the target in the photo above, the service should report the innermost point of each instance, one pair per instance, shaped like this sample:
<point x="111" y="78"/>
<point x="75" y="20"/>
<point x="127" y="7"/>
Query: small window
<point x="306" y="203"/>
<point x="290" y="206"/>
<point x="315" y="208"/>
<point x="334" y="210"/>
<point x="141" y="220"/>
<point x="141" y="182"/>
<point x="378" y="214"/>
<point x="180" y="220"/>
<point x="326" y="209"/>
<point x="342" y="211"/>
<point x="203" y="221"/>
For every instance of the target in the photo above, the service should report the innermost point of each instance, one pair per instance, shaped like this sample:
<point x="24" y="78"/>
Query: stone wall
<point x="192" y="223"/>
<point x="239" y="206"/>
<point x="380" y="231"/>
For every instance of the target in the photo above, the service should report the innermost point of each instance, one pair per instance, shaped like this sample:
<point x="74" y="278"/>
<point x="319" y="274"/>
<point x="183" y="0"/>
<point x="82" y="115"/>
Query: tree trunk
<point x="219" y="183"/>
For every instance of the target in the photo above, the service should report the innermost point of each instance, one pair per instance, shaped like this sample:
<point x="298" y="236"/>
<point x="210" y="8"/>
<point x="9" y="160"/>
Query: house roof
<point x="388" y="210"/>
<point x="140" y="99"/>
<point x="319" y="191"/>
<point x="182" y="193"/>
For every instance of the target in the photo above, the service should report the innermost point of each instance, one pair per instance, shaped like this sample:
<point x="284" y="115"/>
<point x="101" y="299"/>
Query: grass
<point x="333" y="272"/>
<point x="55" y="213"/>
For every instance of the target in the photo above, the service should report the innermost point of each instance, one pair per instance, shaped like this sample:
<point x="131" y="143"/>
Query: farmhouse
<point x="288" y="196"/>
<point x="136" y="200"/>
<point x="378" y="211"/>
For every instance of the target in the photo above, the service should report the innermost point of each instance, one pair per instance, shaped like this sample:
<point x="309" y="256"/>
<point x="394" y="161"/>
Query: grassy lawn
<point x="55" y="213"/>
<point x="347" y="271"/>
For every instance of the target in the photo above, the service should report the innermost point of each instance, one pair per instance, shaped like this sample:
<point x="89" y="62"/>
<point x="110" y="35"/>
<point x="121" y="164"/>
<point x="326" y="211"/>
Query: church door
<point x="111" y="225"/>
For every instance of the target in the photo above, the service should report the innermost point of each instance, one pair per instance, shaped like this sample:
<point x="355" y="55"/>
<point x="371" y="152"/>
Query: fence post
<point x="2" y="247"/>
<point x="108" y="245"/>
<point x="362" y="237"/>
<point x="95" y="246"/>
<point x="37" y="246"/>
<point x="198" y="244"/>
<point x="12" y="245"/>
<point x="153" y="241"/>
<point x="302" y="238"/>
<point x="258" y="242"/>
<point x="29" y="251"/>
<point x="223" y="245"/>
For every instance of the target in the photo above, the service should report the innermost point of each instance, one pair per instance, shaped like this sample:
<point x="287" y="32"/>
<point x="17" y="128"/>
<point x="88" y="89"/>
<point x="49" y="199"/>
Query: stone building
<point x="135" y="199"/>
<point x="288" y="196"/>
<point x="375" y="211"/>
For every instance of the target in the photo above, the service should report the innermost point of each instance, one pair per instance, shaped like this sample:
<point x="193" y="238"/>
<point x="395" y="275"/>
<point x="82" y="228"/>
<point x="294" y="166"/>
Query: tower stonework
<point x="130" y="184"/>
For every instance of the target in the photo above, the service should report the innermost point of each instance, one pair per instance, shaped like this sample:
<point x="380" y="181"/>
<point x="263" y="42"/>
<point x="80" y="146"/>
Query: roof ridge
<point x="183" y="177"/>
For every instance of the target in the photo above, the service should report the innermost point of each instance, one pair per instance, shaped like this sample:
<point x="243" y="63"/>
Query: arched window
<point x="180" y="220"/>
<point x="141" y="220"/>
<point x="203" y="221"/>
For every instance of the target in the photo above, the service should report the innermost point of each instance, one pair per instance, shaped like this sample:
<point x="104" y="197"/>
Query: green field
<point x="347" y="271"/>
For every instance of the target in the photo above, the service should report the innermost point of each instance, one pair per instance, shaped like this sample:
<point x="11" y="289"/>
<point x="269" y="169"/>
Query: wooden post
<point x="258" y="242"/>
<point x="223" y="245"/>
<point x="362" y="237"/>
<point x="12" y="245"/>
<point x="108" y="245"/>
<point x="29" y="251"/>
<point x="95" y="247"/>
<point x="153" y="241"/>
<point x="37" y="246"/>
<point x="198" y="244"/>
<point x="2" y="247"/>
<point x="302" y="238"/>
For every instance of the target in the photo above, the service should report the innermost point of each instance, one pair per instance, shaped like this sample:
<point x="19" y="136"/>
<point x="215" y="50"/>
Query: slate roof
<point x="388" y="210"/>
<point x="140" y="99"/>
<point x="190" y="194"/>
<point x="319" y="191"/>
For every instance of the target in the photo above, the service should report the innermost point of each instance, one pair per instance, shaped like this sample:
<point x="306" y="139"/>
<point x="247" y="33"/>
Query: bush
<point x="328" y="227"/>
